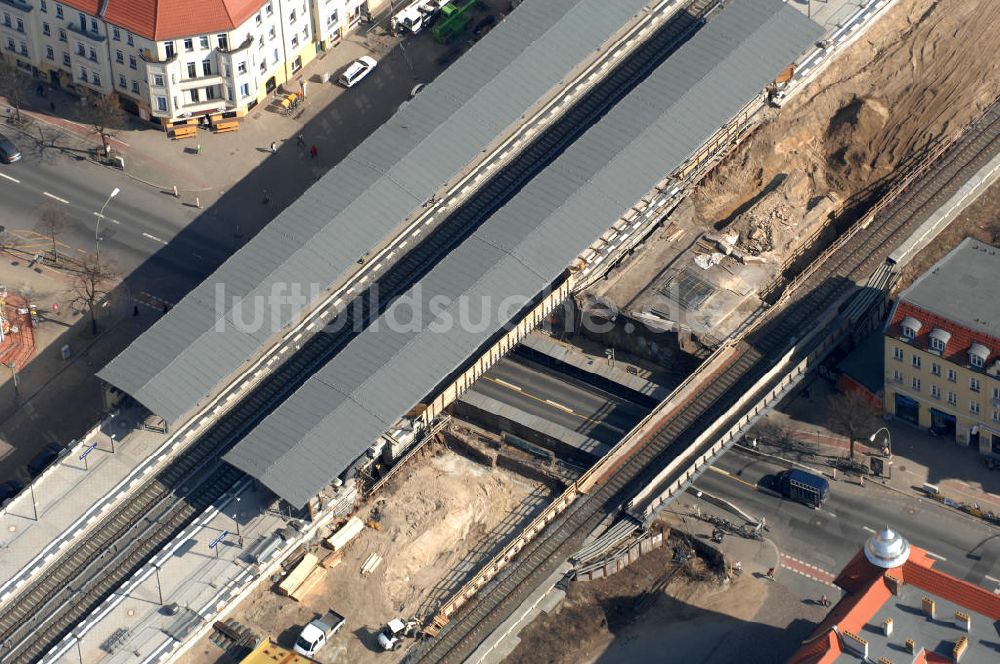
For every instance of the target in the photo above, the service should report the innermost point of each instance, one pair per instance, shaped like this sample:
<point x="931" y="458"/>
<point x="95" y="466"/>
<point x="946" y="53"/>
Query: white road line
<point x="55" y="198"/>
<point x="558" y="405"/>
<point x="871" y="530"/>
<point x="506" y="384"/>
<point x="99" y="215"/>
<point x="153" y="238"/>
<point x="7" y="177"/>
<point x="934" y="555"/>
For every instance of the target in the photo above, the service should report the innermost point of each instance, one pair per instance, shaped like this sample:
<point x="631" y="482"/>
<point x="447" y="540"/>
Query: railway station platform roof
<point x="315" y="434"/>
<point x="311" y="245"/>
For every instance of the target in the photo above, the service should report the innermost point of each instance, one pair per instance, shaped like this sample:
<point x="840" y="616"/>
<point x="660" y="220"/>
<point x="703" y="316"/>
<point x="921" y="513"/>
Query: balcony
<point x="200" y="82"/>
<point x="200" y="107"/>
<point x="18" y="5"/>
<point x="92" y="36"/>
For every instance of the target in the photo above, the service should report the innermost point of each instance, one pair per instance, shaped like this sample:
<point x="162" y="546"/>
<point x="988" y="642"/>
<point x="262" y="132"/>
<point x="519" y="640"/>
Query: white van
<point x="357" y="71"/>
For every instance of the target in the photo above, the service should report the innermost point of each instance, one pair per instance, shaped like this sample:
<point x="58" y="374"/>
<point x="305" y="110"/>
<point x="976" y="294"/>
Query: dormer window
<point x="938" y="339"/>
<point x="978" y="354"/>
<point x="910" y="326"/>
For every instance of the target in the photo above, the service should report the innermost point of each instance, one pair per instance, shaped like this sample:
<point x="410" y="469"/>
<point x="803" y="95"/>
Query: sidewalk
<point x="917" y="457"/>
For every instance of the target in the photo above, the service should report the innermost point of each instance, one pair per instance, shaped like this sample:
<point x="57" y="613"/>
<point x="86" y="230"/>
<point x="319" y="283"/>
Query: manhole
<point x="130" y="613"/>
<point x="11" y="529"/>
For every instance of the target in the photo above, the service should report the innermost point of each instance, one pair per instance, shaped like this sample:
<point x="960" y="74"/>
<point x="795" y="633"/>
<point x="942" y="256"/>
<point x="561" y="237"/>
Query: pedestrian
<point x="770" y="573"/>
<point x="823" y="601"/>
<point x="267" y="197"/>
<point x="313" y="152"/>
<point x="301" y="141"/>
<point x="52" y="106"/>
<point x="274" y="147"/>
<point x="135" y="309"/>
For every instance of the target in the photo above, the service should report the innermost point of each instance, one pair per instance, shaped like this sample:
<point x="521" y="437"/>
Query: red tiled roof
<point x="868" y="592"/>
<point x="957" y="350"/>
<point x="169" y="19"/>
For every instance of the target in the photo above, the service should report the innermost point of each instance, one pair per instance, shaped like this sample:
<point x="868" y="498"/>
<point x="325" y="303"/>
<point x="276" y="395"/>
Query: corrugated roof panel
<point x="542" y="229"/>
<point x="362" y="199"/>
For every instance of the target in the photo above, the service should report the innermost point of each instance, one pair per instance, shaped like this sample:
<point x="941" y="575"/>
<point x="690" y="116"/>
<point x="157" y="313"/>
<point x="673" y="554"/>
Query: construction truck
<point x="391" y="636"/>
<point x="317" y="633"/>
<point x="454" y="18"/>
<point x="417" y="16"/>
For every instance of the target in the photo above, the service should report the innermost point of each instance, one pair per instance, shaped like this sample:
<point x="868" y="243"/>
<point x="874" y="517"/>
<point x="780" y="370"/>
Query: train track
<point x="827" y="285"/>
<point x="47" y="610"/>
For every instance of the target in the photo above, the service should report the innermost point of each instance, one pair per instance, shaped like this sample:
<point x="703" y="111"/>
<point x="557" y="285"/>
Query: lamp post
<point x="887" y="450"/>
<point x="97" y="227"/>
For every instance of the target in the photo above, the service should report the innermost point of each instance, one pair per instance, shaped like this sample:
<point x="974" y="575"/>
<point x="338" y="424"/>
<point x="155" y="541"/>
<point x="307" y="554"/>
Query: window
<point x="292" y="17"/>
<point x="915" y="384"/>
<point x="210" y="92"/>
<point x="937" y="344"/>
<point x="93" y="54"/>
<point x="241" y="67"/>
<point x="24" y="49"/>
<point x="203" y="41"/>
<point x="935" y="392"/>
<point x="295" y="41"/>
<point x="161" y="103"/>
<point x="223" y="41"/>
<point x="996" y="415"/>
<point x="908" y="332"/>
<point x="59" y="11"/>
<point x="62" y="35"/>
<point x="206" y="67"/>
<point x="915" y="361"/>
<point x="93" y="25"/>
<point x="119" y="57"/>
<point x="305" y="32"/>
<point x="80" y="50"/>
<point x="263" y="66"/>
<point x="951" y="398"/>
<point x="974" y="407"/>
<point x="96" y="78"/>
<point x="897" y="354"/>
<point x="10" y="44"/>
<point x="270" y="33"/>
<point x="158" y="80"/>
<point x="974" y="384"/>
<point x="192" y="70"/>
<point x="274" y="56"/>
<point x="132" y="63"/>
<point x="194" y="95"/>
<point x="257" y="18"/>
<point x="244" y="90"/>
<point x="996" y="394"/>
<point x="66" y="60"/>
<point x="6" y="19"/>
<point x="83" y="73"/>
<point x="952" y="376"/>
<point x="45" y="29"/>
<point x="135" y="86"/>
<point x="168" y="48"/>
<point x="42" y="6"/>
<point x="935" y="368"/>
<point x="49" y="53"/>
<point x="122" y="83"/>
<point x="229" y="92"/>
<point x="332" y="18"/>
<point x="269" y="8"/>
<point x="129" y="40"/>
<point x="226" y="71"/>
<point x="116" y="34"/>
<point x="976" y="361"/>
<point x="20" y="25"/>
<point x="189" y="44"/>
<point x="896" y="376"/>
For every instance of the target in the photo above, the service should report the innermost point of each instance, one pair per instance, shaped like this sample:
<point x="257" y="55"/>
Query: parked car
<point x="9" y="489"/>
<point x="357" y="71"/>
<point x="8" y="151"/>
<point x="44" y="459"/>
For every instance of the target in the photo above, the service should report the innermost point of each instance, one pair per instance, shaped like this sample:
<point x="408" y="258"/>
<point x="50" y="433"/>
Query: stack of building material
<point x="371" y="564"/>
<point x="345" y="533"/>
<point x="309" y="584"/>
<point x="298" y="575"/>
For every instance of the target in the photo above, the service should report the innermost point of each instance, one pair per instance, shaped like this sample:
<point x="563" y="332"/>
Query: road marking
<point x="114" y="221"/>
<point x="871" y="530"/>
<point x="506" y="384"/>
<point x="55" y="198"/>
<point x="153" y="238"/>
<point x="99" y="215"/>
<point x="559" y="406"/>
<point x="807" y="570"/>
<point x="7" y="177"/>
<point x="934" y="555"/>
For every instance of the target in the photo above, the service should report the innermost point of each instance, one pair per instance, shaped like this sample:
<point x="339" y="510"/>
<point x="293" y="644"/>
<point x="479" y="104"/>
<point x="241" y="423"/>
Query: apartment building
<point x="168" y="60"/>
<point x="942" y="349"/>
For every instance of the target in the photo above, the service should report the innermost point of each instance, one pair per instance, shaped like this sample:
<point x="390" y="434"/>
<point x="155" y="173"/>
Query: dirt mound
<point x="918" y="76"/>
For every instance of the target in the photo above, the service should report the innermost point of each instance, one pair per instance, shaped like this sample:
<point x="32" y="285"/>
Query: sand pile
<point x="920" y="74"/>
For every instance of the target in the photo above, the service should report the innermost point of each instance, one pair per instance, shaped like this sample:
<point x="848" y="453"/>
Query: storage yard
<point x="433" y="524"/>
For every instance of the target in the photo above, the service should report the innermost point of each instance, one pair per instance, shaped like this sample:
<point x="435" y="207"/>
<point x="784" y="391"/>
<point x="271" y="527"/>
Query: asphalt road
<point x="560" y="399"/>
<point x="829" y="537"/>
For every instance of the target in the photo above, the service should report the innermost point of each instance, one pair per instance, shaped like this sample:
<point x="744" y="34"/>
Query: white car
<point x="357" y="71"/>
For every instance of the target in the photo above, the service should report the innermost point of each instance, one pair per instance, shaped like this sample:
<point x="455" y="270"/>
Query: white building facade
<point x="175" y="59"/>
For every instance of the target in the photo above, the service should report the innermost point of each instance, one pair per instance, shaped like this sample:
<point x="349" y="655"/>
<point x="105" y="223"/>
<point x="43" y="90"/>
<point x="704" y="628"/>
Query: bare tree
<point x="13" y="85"/>
<point x="93" y="283"/>
<point x="853" y="415"/>
<point x="52" y="221"/>
<point x="105" y="115"/>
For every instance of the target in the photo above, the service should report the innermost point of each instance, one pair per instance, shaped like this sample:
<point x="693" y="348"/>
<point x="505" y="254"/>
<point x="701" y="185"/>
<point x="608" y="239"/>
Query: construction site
<point x="403" y="546"/>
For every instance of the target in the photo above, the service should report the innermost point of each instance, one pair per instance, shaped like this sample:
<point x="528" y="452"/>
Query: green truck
<point x="454" y="18"/>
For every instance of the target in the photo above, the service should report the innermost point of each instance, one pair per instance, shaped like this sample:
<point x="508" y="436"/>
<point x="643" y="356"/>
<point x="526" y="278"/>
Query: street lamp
<point x="97" y="227"/>
<point x="887" y="450"/>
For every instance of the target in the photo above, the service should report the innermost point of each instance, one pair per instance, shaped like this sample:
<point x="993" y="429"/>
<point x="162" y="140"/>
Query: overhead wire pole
<point x="97" y="226"/>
